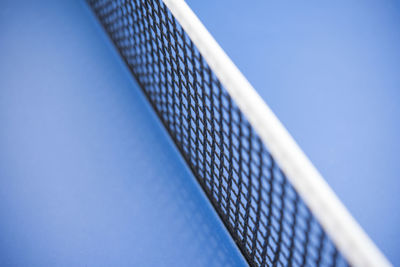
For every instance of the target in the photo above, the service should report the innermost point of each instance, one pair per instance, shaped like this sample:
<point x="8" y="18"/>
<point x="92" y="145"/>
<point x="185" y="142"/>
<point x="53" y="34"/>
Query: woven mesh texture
<point x="265" y="216"/>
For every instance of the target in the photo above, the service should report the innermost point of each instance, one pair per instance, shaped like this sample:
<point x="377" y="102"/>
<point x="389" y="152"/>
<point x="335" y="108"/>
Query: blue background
<point x="330" y="70"/>
<point x="89" y="177"/>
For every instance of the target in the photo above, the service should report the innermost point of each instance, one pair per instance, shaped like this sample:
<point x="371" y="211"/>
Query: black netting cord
<point x="265" y="216"/>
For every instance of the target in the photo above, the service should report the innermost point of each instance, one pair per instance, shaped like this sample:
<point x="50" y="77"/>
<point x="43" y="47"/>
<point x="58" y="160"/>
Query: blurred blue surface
<point x="88" y="176"/>
<point x="330" y="70"/>
<point x="78" y="182"/>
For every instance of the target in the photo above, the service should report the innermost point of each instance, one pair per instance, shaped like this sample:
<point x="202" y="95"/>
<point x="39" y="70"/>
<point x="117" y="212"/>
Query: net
<point x="266" y="217"/>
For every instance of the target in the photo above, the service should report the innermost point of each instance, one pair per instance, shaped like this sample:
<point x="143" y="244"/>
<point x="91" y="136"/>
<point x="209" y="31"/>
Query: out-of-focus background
<point x="330" y="70"/>
<point x="88" y="177"/>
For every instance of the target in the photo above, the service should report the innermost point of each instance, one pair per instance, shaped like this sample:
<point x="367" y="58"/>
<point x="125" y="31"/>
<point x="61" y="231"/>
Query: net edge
<point x="346" y="233"/>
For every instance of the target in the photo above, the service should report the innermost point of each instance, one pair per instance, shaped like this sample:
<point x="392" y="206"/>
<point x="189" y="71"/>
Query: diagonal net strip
<point x="265" y="216"/>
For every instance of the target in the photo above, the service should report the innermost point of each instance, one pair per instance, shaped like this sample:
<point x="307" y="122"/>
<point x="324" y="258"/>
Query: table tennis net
<point x="266" y="217"/>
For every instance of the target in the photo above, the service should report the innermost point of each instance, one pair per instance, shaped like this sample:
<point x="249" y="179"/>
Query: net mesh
<point x="265" y="216"/>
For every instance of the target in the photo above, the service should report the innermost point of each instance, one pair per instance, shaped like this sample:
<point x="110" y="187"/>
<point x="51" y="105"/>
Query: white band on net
<point x="342" y="228"/>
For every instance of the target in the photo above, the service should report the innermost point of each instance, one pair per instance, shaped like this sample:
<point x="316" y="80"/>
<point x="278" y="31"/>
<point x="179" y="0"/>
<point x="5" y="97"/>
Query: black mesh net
<point x="265" y="216"/>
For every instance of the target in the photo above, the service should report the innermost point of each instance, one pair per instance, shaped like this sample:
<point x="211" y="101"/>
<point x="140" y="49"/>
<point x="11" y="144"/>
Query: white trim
<point x="345" y="232"/>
